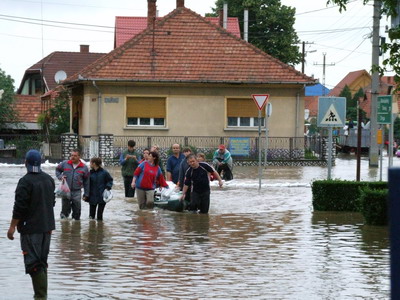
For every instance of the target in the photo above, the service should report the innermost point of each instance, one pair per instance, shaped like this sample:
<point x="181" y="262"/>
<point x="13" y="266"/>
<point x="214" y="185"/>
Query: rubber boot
<point x="39" y="282"/>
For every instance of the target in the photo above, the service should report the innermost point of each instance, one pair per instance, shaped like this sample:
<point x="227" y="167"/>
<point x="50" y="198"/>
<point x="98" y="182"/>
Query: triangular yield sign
<point x="331" y="117"/>
<point x="260" y="100"/>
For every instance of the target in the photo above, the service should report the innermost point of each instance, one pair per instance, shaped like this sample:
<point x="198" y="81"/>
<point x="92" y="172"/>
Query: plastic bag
<point x="107" y="196"/>
<point x="63" y="190"/>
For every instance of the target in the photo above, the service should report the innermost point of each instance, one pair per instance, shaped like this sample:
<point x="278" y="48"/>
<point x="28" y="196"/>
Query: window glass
<point x="232" y="121"/>
<point x="244" y="121"/>
<point x="144" y="121"/>
<point x="132" y="121"/>
<point x="256" y="122"/>
<point x="159" y="121"/>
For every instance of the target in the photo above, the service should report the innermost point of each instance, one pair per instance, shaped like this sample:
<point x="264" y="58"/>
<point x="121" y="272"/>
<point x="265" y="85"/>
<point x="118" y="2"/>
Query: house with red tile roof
<point x="184" y="75"/>
<point x="43" y="77"/>
<point x="127" y="27"/>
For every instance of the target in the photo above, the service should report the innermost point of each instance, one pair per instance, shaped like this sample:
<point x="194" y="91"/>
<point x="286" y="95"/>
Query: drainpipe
<point x="98" y="107"/>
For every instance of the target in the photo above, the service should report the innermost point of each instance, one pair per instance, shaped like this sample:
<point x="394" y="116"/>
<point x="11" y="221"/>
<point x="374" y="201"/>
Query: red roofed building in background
<point x="184" y="75"/>
<point x="42" y="78"/>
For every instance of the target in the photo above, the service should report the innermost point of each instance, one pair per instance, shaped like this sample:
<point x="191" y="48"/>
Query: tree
<point x="393" y="47"/>
<point x="55" y="120"/>
<point x="7" y="112"/>
<point x="271" y="26"/>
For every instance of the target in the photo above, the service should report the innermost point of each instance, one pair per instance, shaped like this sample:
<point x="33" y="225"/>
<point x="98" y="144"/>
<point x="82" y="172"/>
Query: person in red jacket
<point x="147" y="177"/>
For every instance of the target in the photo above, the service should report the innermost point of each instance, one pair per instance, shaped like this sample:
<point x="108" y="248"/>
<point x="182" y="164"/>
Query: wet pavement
<point x="266" y="244"/>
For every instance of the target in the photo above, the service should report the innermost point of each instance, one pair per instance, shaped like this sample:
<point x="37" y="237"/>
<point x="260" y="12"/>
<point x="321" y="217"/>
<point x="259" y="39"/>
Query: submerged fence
<point x="111" y="146"/>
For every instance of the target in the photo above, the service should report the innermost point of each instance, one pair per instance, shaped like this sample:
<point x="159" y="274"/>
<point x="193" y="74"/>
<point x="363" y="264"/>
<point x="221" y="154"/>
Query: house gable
<point x="185" y="47"/>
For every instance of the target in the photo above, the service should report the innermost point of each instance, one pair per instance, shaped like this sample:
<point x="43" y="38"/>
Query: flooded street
<point x="266" y="244"/>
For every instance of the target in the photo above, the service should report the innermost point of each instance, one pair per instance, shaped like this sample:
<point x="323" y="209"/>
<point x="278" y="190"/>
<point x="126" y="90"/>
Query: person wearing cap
<point x="129" y="161"/>
<point x="33" y="216"/>
<point x="222" y="161"/>
<point x="77" y="176"/>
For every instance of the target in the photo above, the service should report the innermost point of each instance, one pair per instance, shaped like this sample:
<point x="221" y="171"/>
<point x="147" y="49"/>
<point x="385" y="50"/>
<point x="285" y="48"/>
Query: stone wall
<point x="69" y="142"/>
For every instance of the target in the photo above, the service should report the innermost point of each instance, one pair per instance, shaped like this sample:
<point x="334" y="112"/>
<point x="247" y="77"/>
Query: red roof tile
<point x="28" y="108"/>
<point x="188" y="48"/>
<point x="128" y="27"/>
<point x="69" y="62"/>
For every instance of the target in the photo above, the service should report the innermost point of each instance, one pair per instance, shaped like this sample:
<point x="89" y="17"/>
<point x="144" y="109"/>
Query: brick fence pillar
<point x="69" y="142"/>
<point x="106" y="148"/>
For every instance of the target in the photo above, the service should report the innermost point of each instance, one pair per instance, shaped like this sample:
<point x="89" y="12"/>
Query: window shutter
<point x="145" y="107"/>
<point x="242" y="107"/>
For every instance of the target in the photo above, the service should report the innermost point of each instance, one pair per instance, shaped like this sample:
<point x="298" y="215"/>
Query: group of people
<point x="144" y="175"/>
<point x="33" y="211"/>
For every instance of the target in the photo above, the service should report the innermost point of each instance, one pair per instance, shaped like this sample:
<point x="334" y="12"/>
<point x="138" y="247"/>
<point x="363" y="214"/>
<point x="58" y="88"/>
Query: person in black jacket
<point x="100" y="180"/>
<point x="33" y="215"/>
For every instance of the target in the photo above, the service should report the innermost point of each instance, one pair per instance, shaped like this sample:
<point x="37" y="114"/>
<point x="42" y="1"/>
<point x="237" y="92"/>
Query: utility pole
<point x="324" y="65"/>
<point x="373" y="148"/>
<point x="303" y="54"/>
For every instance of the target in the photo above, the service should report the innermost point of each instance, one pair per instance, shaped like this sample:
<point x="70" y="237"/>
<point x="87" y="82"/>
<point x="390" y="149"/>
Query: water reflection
<point x="266" y="244"/>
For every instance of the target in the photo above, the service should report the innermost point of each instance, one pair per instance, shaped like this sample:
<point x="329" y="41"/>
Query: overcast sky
<point x="345" y="38"/>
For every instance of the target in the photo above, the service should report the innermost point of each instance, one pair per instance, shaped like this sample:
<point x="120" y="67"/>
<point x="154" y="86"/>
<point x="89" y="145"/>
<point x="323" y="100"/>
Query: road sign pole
<point x="259" y="149"/>
<point x="330" y="152"/>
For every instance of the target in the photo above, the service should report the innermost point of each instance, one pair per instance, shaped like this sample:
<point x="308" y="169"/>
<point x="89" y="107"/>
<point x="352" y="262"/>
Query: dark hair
<point x="146" y="149"/>
<point x="77" y="151"/>
<point x="97" y="161"/>
<point x="156" y="157"/>
<point x="187" y="149"/>
<point x="131" y="143"/>
<point x="191" y="156"/>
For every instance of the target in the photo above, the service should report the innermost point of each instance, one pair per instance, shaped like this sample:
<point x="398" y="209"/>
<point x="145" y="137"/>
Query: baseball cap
<point x="33" y="159"/>
<point x="221" y="147"/>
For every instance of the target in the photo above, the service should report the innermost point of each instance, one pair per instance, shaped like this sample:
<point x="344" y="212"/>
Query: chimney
<point x="151" y="12"/>
<point x="180" y="3"/>
<point x="221" y="18"/>
<point x="84" y="49"/>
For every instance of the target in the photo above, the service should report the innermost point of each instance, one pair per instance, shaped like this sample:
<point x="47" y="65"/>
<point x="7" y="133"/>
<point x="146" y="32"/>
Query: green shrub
<point x="374" y="205"/>
<point x="340" y="195"/>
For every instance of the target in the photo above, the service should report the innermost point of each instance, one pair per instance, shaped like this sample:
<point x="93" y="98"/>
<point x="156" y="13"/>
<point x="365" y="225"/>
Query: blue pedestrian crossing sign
<point x="331" y="112"/>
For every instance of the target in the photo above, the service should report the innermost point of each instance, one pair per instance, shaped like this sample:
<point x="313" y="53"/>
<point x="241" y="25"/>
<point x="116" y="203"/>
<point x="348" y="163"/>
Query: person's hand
<point x="10" y="233"/>
<point x="133" y="184"/>
<point x="220" y="183"/>
<point x="85" y="198"/>
<point x="182" y="197"/>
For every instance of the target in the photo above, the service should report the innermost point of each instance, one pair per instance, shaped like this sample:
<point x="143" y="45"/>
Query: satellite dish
<point x="60" y="76"/>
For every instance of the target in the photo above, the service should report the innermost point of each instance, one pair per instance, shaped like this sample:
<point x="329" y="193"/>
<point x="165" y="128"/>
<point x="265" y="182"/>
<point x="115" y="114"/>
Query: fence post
<point x="69" y="142"/>
<point x="149" y="142"/>
<point x="186" y="141"/>
<point x="221" y="140"/>
<point x="106" y="147"/>
<point x="291" y="148"/>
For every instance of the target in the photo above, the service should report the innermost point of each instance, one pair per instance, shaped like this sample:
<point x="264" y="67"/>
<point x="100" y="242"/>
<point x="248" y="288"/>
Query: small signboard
<point x="239" y="146"/>
<point x="331" y="112"/>
<point x="384" y="113"/>
<point x="260" y="100"/>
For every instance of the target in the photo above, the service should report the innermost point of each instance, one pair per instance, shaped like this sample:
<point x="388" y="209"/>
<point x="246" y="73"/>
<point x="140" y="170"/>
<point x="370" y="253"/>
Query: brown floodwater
<point x="254" y="244"/>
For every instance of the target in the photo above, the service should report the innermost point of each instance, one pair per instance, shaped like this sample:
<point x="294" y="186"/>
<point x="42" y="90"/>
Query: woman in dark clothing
<point x="100" y="180"/>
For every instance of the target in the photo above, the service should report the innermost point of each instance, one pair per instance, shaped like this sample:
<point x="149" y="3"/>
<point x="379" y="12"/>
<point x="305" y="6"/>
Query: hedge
<point x="340" y="195"/>
<point x="374" y="206"/>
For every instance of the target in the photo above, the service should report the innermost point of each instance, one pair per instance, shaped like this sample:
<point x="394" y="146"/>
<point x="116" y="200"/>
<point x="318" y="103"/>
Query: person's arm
<point x="215" y="160"/>
<point x="109" y="180"/>
<point x="227" y="156"/>
<point x="59" y="171"/>
<point x="133" y="184"/>
<point x="169" y="169"/>
<point x="86" y="182"/>
<point x="161" y="180"/>
<point x="122" y="159"/>
<point x="185" y="188"/>
<point x="11" y="230"/>
<point x="216" y="175"/>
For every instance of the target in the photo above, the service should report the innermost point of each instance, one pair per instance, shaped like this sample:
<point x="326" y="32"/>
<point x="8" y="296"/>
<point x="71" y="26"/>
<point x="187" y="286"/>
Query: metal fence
<point x="278" y="148"/>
